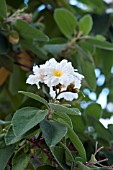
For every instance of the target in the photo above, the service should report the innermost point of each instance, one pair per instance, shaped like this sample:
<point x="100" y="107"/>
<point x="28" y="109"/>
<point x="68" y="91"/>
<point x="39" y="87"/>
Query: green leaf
<point x="79" y="126"/>
<point x="27" y="45"/>
<point x="5" y="154"/>
<point x="35" y="97"/>
<point x="104" y="60"/>
<point x="68" y="152"/>
<point x="101" y="131"/>
<point x="62" y="109"/>
<point x="3" y="44"/>
<point x="20" y="160"/>
<point x="64" y="116"/>
<point x="2" y="141"/>
<point x="29" y="32"/>
<point x="54" y="49"/>
<point x="66" y="21"/>
<point x="46" y="167"/>
<point x="3" y="9"/>
<point x="75" y="140"/>
<point x="100" y="44"/>
<point x="52" y="131"/>
<point x="83" y="167"/>
<point x="14" y="85"/>
<point x="10" y="138"/>
<point x="87" y="69"/>
<point x="26" y="118"/>
<point x="94" y="109"/>
<point x="59" y="154"/>
<point x="85" y="24"/>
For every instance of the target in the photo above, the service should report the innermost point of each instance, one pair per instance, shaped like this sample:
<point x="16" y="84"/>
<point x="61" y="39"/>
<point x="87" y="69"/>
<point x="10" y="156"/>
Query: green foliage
<point x="36" y="131"/>
<point x="26" y="118"/>
<point x="29" y="32"/>
<point x="3" y="9"/>
<point x="20" y="160"/>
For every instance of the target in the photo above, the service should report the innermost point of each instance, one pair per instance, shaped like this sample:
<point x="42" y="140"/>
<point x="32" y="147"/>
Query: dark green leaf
<point x="5" y="155"/>
<point x="75" y="140"/>
<point x="46" y="167"/>
<point x="101" y="131"/>
<point x="2" y="141"/>
<point x="90" y="77"/>
<point x="20" y="160"/>
<point x="59" y="154"/>
<point x="26" y="118"/>
<point x="35" y="97"/>
<point x="3" y="44"/>
<point x="29" y="32"/>
<point x="53" y="132"/>
<point x="66" y="22"/>
<point x="3" y="9"/>
<point x="10" y="138"/>
<point x="14" y="85"/>
<point x="94" y="109"/>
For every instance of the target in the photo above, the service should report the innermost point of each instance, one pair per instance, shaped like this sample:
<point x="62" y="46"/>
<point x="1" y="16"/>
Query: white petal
<point x="36" y="69"/>
<point x="69" y="96"/>
<point x="33" y="79"/>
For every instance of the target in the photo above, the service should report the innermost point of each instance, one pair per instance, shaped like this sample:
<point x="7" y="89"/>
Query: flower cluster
<point x="62" y="79"/>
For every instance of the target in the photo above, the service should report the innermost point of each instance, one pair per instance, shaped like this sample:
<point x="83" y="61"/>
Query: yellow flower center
<point x="57" y="73"/>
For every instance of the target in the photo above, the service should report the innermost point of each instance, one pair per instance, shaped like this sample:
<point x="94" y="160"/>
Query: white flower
<point x="58" y="72"/>
<point x="36" y="77"/>
<point x="61" y="76"/>
<point x="69" y="95"/>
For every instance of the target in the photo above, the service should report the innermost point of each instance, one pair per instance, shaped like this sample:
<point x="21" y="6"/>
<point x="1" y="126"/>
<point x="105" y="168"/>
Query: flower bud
<point x="76" y="90"/>
<point x="13" y="37"/>
<point x="70" y="87"/>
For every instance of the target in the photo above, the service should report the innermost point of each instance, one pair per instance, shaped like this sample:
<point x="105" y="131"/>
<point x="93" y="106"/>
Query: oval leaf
<point x="100" y="44"/>
<point x="29" y="32"/>
<point x="59" y="154"/>
<point x="26" y="118"/>
<point x="66" y="21"/>
<point x="94" y="109"/>
<point x="85" y="24"/>
<point x="10" y="138"/>
<point x="53" y="132"/>
<point x="35" y="97"/>
<point x="75" y="140"/>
